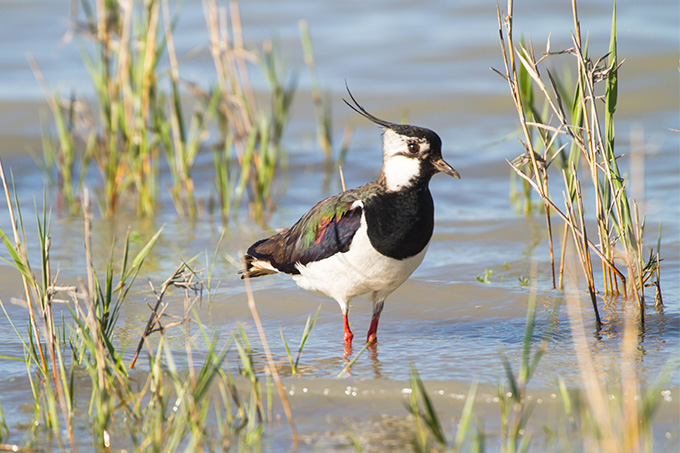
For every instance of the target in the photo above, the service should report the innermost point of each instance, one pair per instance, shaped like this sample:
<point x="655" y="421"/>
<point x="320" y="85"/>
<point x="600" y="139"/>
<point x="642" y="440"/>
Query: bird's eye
<point x="413" y="147"/>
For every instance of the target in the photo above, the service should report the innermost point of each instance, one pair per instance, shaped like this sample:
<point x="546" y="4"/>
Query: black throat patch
<point x="400" y="223"/>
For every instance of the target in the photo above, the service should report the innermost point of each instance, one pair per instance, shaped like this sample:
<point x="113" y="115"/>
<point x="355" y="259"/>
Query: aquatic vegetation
<point x="571" y="131"/>
<point x="79" y="335"/>
<point x="309" y="325"/>
<point x="174" y="400"/>
<point x="139" y="117"/>
<point x="187" y="387"/>
<point x="486" y="277"/>
<point x="322" y="106"/>
<point x="598" y="417"/>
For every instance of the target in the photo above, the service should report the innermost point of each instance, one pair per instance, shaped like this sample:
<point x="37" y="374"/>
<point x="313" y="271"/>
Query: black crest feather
<point x="362" y="111"/>
<point x="401" y="129"/>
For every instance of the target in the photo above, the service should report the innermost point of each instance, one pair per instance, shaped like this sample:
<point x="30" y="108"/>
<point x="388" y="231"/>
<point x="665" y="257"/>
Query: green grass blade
<point x="430" y="414"/>
<point x="466" y="415"/>
<point x="353" y="361"/>
<point x="19" y="263"/>
<point x="290" y="356"/>
<point x="142" y="254"/>
<point x="309" y="325"/>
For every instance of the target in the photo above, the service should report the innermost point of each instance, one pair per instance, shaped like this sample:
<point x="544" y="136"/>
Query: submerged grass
<point x="174" y="408"/>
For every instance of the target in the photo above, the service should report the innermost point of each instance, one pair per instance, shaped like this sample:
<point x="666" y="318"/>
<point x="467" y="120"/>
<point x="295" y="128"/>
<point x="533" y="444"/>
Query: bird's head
<point x="411" y="154"/>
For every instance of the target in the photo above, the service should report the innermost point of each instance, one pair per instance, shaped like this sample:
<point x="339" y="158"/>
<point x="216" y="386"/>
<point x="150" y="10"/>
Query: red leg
<point x="348" y="333"/>
<point x="372" y="336"/>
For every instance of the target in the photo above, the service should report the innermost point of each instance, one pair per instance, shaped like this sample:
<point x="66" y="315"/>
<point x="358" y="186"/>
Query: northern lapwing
<point x="367" y="240"/>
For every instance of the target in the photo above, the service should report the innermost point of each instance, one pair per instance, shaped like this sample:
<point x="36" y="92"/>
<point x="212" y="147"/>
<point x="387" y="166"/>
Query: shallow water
<point x="430" y="63"/>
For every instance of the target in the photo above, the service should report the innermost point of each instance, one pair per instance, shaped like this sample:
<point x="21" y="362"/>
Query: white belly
<point x="360" y="270"/>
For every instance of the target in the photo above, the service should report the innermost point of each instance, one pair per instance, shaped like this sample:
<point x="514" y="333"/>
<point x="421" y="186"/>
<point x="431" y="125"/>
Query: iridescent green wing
<point x="327" y="229"/>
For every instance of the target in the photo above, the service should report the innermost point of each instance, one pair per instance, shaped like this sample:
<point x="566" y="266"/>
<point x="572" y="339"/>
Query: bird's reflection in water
<point x="372" y="349"/>
<point x="375" y="363"/>
<point x="347" y="351"/>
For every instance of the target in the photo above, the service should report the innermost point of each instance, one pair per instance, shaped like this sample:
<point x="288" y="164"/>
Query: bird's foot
<point x="372" y="338"/>
<point x="349" y="336"/>
<point x="348" y="340"/>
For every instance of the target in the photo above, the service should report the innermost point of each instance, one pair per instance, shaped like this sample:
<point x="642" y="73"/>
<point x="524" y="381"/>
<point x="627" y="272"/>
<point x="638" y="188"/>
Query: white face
<point x="401" y="165"/>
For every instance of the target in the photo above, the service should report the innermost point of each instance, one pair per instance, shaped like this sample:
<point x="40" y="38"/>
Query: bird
<point x="367" y="240"/>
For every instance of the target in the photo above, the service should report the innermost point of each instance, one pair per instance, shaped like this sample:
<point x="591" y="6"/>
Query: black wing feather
<point x="327" y="229"/>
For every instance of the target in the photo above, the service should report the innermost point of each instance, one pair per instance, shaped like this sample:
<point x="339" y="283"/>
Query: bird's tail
<point x="255" y="267"/>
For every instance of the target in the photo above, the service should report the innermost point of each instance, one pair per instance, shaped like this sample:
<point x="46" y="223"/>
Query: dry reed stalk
<point x="100" y="353"/>
<point x="48" y="317"/>
<point x="610" y="422"/>
<point x="582" y="247"/>
<point x="539" y="171"/>
<point x="47" y="313"/>
<point x="47" y="294"/>
<point x="637" y="272"/>
<point x="157" y="312"/>
<point x="270" y="360"/>
<point x="342" y="178"/>
<point x="617" y="219"/>
<point x="560" y="285"/>
<point x="122" y="78"/>
<point x="658" y="299"/>
<point x="238" y="44"/>
<point x="596" y="396"/>
<point x="180" y="162"/>
<point x="230" y="57"/>
<point x="568" y="222"/>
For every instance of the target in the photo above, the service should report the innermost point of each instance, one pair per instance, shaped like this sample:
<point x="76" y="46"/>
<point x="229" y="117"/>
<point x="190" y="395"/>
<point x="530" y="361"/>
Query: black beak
<point x="443" y="167"/>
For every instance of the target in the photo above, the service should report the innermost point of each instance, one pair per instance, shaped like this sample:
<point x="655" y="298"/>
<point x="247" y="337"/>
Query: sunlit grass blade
<point x="288" y="354"/>
<point x="466" y="416"/>
<point x="141" y="256"/>
<point x="428" y="415"/>
<point x="309" y="325"/>
<point x="351" y="363"/>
